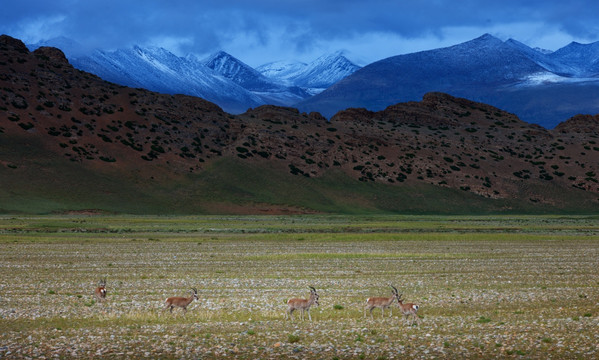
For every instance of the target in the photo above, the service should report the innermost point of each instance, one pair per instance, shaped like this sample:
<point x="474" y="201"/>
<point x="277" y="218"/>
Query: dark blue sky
<point x="260" y="31"/>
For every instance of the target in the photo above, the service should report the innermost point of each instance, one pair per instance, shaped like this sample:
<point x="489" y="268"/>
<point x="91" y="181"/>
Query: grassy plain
<point x="488" y="287"/>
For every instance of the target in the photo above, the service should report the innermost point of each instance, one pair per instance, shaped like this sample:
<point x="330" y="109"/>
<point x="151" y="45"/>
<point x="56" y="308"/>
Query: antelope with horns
<point x="100" y="291"/>
<point x="302" y="304"/>
<point x="381" y="302"/>
<point x="181" y="302"/>
<point x="408" y="309"/>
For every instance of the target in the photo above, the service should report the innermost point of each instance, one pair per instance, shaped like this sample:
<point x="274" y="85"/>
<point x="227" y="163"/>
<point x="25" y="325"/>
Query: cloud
<point x="33" y="29"/>
<point x="259" y="30"/>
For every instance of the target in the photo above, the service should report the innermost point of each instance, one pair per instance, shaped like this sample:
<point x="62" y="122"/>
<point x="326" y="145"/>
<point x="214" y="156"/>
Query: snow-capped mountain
<point x="538" y="87"/>
<point x="220" y="78"/>
<point x="238" y="72"/>
<point x="269" y="90"/>
<point x="283" y="71"/>
<point x="159" y="70"/>
<point x="315" y="76"/>
<point x="578" y="60"/>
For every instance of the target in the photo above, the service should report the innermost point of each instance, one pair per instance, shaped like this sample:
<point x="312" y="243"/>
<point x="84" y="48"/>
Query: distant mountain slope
<point x="71" y="141"/>
<point x="221" y="78"/>
<point x="579" y="60"/>
<point x="238" y="72"/>
<point x="162" y="71"/>
<point x="315" y="76"/>
<point x="538" y="87"/>
<point x="270" y="91"/>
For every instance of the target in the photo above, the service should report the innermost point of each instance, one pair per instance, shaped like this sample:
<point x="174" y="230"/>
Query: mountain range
<point x="220" y="78"/>
<point x="71" y="141"/>
<point x="540" y="87"/>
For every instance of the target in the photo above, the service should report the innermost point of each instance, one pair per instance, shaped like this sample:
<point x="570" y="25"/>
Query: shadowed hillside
<point x="71" y="141"/>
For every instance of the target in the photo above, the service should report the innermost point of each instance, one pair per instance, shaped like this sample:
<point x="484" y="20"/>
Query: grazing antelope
<point x="408" y="309"/>
<point x="181" y="302"/>
<point x="100" y="292"/>
<point x="381" y="302"/>
<point x="302" y="304"/>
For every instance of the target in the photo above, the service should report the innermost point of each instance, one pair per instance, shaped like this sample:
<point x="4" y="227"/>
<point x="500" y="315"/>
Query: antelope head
<point x="314" y="294"/>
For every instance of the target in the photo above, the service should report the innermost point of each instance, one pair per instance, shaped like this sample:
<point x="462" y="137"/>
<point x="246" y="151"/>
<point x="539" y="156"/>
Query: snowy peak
<point x="159" y="70"/>
<point x="315" y="76"/>
<point x="238" y="72"/>
<point x="327" y="70"/>
<point x="582" y="59"/>
<point x="229" y="66"/>
<point x="485" y="40"/>
<point x="282" y="71"/>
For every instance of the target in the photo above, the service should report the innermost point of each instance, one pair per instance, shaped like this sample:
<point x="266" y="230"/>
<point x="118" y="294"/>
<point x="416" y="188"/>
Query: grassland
<point x="488" y="287"/>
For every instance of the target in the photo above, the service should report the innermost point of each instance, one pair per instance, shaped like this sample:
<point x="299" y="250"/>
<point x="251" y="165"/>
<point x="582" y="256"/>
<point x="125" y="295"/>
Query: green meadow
<point x="487" y="286"/>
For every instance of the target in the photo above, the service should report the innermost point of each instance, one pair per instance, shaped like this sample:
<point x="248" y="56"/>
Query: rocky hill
<point x="70" y="141"/>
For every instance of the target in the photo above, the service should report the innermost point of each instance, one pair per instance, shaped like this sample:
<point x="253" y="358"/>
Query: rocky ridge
<point x="442" y="140"/>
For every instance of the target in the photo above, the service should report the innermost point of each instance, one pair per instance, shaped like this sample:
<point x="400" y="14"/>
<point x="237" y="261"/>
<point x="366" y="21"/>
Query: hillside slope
<point x="539" y="88"/>
<point x="72" y="141"/>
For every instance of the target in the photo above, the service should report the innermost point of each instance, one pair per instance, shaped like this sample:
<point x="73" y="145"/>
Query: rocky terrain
<point x="49" y="110"/>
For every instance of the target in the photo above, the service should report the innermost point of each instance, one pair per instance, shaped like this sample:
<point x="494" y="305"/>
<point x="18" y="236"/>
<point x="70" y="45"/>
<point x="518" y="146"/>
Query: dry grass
<point x="486" y="287"/>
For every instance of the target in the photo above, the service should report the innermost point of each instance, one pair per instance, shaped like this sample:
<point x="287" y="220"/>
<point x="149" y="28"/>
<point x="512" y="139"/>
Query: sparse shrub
<point x="107" y="159"/>
<point x="157" y="148"/>
<point x="105" y="138"/>
<point x="19" y="102"/>
<point x="291" y="338"/>
<point x="295" y="170"/>
<point x="53" y="132"/>
<point x="483" y="320"/>
<point x="26" y="126"/>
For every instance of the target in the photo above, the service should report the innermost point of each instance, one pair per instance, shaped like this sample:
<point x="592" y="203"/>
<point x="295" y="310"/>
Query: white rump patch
<point x="415" y="307"/>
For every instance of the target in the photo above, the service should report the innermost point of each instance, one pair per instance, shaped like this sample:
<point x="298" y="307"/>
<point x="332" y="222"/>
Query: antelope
<point x="181" y="302"/>
<point x="302" y="304"/>
<point x="381" y="302"/>
<point x="408" y="309"/>
<point x="100" y="291"/>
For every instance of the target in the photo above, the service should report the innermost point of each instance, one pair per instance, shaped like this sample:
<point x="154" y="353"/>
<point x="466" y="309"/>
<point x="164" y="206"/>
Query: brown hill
<point x="70" y="140"/>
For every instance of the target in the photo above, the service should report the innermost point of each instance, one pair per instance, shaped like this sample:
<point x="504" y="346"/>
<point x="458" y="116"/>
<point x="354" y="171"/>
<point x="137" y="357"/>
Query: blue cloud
<point x="292" y="26"/>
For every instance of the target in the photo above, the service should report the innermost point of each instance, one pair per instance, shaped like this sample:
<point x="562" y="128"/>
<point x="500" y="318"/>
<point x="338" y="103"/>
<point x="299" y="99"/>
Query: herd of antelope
<point x="303" y="305"/>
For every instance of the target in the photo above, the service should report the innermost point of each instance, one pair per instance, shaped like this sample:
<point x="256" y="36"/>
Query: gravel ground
<point x="487" y="295"/>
